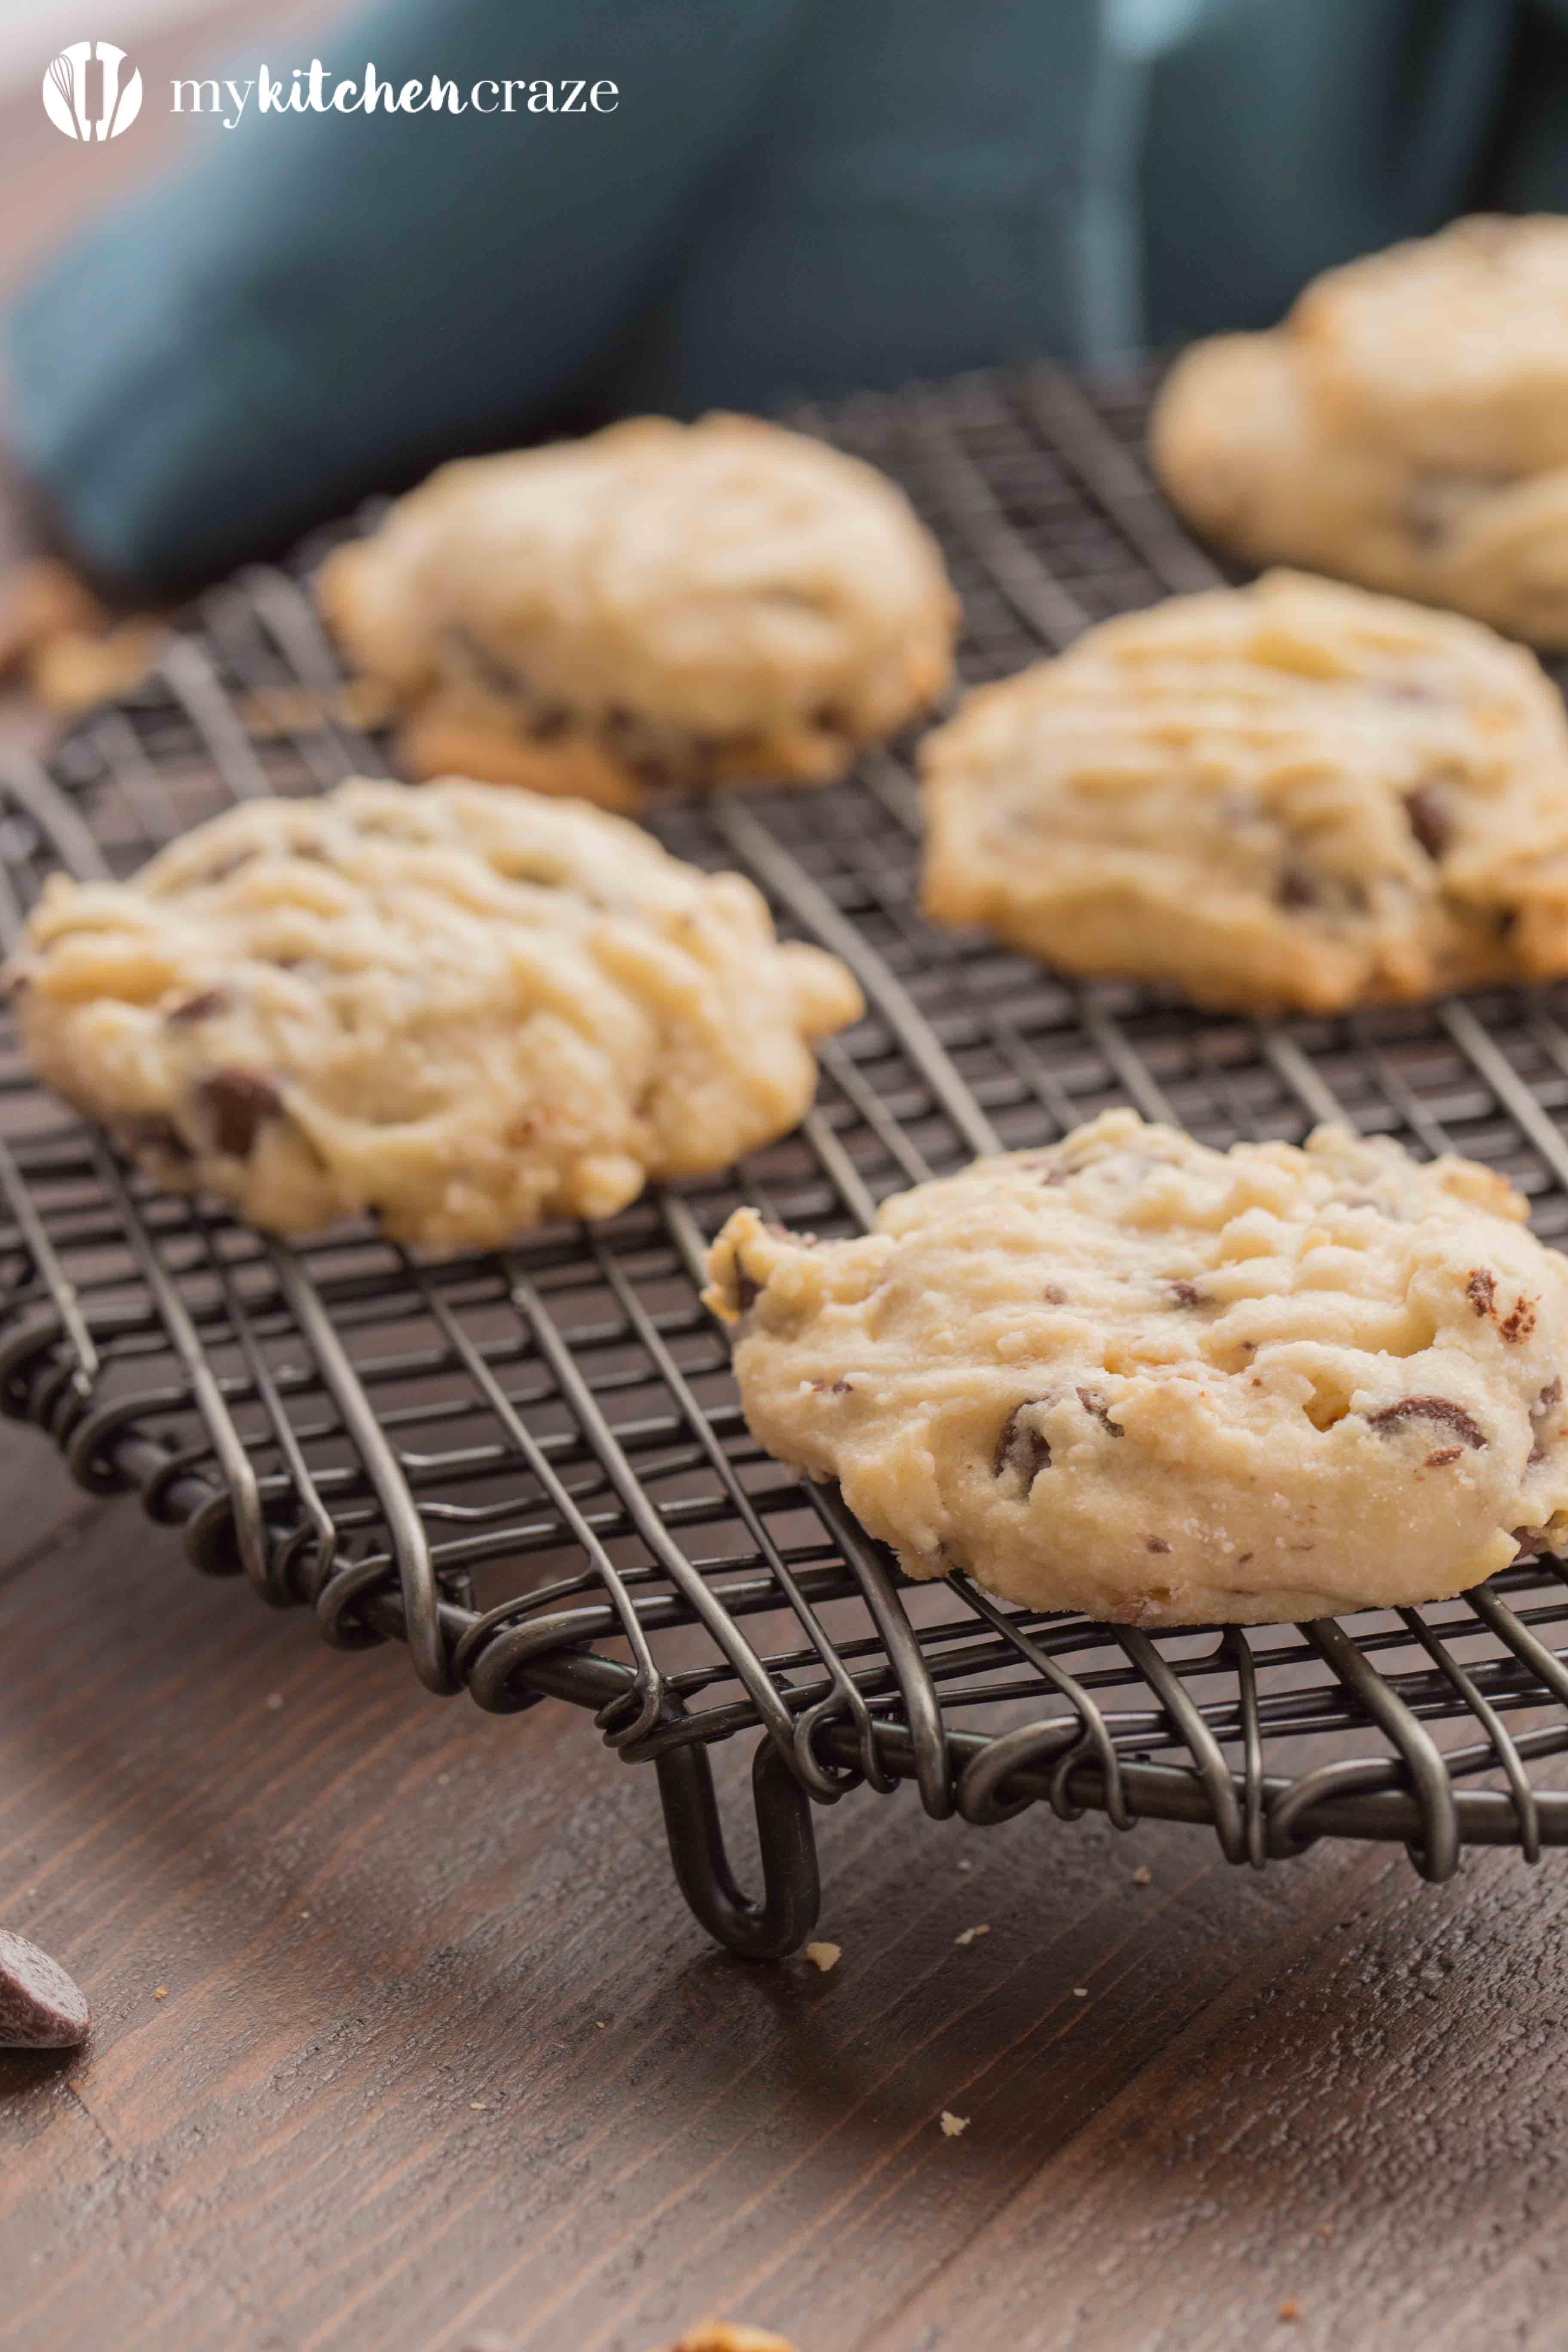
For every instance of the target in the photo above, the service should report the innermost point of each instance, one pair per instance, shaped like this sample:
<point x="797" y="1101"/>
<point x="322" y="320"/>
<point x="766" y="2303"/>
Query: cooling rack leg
<point x="780" y="1924"/>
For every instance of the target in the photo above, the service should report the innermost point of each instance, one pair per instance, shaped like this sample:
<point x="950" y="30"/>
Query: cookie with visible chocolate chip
<point x="661" y="606"/>
<point x="1291" y="794"/>
<point x="463" y="1009"/>
<point x="1162" y="1384"/>
<point x="1405" y="427"/>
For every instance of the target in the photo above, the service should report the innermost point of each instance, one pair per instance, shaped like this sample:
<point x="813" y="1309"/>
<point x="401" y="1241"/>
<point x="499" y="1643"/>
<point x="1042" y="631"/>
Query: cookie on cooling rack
<point x="1406" y="427"/>
<point x="462" y="1009"/>
<point x="1294" y="793"/>
<point x="659" y="606"/>
<point x="1169" y="1385"/>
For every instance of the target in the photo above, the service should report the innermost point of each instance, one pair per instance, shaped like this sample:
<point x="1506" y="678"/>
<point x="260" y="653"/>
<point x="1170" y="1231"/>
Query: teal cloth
<point x="793" y="196"/>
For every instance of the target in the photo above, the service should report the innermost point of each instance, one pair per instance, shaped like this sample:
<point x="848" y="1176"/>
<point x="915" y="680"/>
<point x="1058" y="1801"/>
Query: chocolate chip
<point x="200" y="1007"/>
<point x="1055" y="1294"/>
<point x="1301" y="885"/>
<point x="1020" y="1448"/>
<point x="226" y="866"/>
<point x="156" y="1133"/>
<point x="1429" y="819"/>
<point x="1187" y="1294"/>
<point x="1481" y="1290"/>
<point x="1158" y="1543"/>
<point x="1520" y="1322"/>
<point x="239" y="1101"/>
<point x="832" y="1387"/>
<point x="747" y="1292"/>
<point x="1093" y="1403"/>
<point x="1551" y="1395"/>
<point x="1443" y="1411"/>
<point x="547" y="726"/>
<point x="40" y="2008"/>
<point x="1444" y="1454"/>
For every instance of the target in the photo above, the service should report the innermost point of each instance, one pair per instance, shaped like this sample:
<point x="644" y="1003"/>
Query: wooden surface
<point x="440" y="2050"/>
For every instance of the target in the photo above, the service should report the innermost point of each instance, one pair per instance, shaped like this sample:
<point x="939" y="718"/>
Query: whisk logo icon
<point x="87" y="96"/>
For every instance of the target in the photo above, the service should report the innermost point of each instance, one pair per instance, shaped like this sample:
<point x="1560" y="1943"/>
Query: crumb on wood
<point x="952" y="2124"/>
<point x="1290" y="2308"/>
<point x="160" y="1992"/>
<point x="965" y="1863"/>
<point x="1080" y="1992"/>
<point x="970" y="1934"/>
<point x="824" y="1956"/>
<point x="1142" y="1875"/>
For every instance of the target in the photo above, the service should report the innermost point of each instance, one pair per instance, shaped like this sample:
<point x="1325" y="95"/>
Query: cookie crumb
<point x="1290" y="2308"/>
<point x="965" y="1863"/>
<point x="824" y="1956"/>
<point x="1080" y="1992"/>
<point x="1325" y="2229"/>
<point x="970" y="1934"/>
<point x="160" y="1992"/>
<point x="275" y="1700"/>
<point x="1142" y="1875"/>
<point x="480" y="2106"/>
<point x="952" y="2124"/>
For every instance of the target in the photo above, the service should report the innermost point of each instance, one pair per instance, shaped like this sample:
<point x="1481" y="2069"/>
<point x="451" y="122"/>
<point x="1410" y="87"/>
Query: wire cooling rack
<point x="530" y="1466"/>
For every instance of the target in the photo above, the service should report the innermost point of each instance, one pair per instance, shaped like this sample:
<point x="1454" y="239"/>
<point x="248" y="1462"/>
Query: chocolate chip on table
<point x="1441" y="1410"/>
<point x="1021" y="1448"/>
<point x="40" y="2008"/>
<point x="1429" y="819"/>
<point x="239" y="1101"/>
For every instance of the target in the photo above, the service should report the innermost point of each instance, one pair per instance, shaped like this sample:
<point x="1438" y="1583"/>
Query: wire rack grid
<point x="530" y="1466"/>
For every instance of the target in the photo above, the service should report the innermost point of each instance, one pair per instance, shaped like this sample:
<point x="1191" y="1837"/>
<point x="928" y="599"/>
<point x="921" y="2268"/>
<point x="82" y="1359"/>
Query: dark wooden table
<point x="402" y="2031"/>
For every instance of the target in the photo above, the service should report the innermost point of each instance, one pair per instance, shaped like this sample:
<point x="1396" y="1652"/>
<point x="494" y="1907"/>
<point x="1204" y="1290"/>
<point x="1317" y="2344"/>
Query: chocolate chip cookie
<point x="464" y="1010"/>
<point x="1291" y="794"/>
<point x="1167" y="1385"/>
<point x="659" y="606"/>
<point x="1406" y="427"/>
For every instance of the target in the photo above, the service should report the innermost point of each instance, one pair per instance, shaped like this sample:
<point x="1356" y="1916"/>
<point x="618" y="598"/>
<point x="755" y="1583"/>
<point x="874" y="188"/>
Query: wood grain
<point x="442" y="2050"/>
